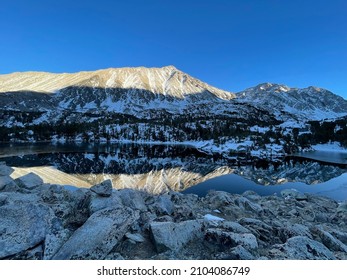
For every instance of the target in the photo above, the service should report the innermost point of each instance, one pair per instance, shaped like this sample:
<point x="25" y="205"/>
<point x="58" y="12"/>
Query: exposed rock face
<point x="29" y="181"/>
<point x="100" y="233"/>
<point x="52" y="222"/>
<point x="5" y="170"/>
<point x="303" y="248"/>
<point x="23" y="226"/>
<point x="311" y="102"/>
<point x="172" y="236"/>
<point x="103" y="189"/>
<point x="7" y="183"/>
<point x="231" y="239"/>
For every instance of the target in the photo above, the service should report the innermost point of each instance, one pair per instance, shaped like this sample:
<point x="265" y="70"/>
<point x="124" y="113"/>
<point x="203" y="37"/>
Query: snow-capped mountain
<point x="140" y="90"/>
<point x="165" y="105"/>
<point x="310" y="103"/>
<point x="123" y="90"/>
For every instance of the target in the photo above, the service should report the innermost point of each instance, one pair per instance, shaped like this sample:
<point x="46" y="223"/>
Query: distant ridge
<point x="141" y="91"/>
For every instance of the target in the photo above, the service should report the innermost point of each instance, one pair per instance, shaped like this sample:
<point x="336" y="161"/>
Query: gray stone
<point x="236" y="253"/>
<point x="234" y="227"/>
<point x="163" y="205"/>
<point x="307" y="214"/>
<point x="342" y="208"/>
<point x="261" y="230"/>
<point x="218" y="199"/>
<point x="99" y="235"/>
<point x="342" y="236"/>
<point x="100" y="202"/>
<point x="54" y="241"/>
<point x="5" y="170"/>
<point x="114" y="256"/>
<point x="35" y="253"/>
<point x="7" y="184"/>
<point x="231" y="239"/>
<point x="294" y="230"/>
<point x="16" y="198"/>
<point x="136" y="237"/>
<point x="3" y="199"/>
<point x="103" y="189"/>
<point x="326" y="204"/>
<point x="330" y="241"/>
<point x="133" y="199"/>
<point x="23" y="226"/>
<point x="53" y="194"/>
<point x="70" y="206"/>
<point x="29" y="181"/>
<point x="303" y="248"/>
<point x="251" y="195"/>
<point x="292" y="193"/>
<point x="172" y="236"/>
<point x="248" y="205"/>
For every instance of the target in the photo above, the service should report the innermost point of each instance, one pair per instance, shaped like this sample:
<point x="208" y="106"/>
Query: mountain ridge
<point x="167" y="80"/>
<point x="315" y="102"/>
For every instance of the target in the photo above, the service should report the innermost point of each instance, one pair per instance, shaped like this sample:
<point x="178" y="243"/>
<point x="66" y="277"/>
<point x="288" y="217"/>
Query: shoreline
<point x="47" y="221"/>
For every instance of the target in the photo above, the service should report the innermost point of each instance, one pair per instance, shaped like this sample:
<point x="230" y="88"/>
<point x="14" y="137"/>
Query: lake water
<point x="157" y="168"/>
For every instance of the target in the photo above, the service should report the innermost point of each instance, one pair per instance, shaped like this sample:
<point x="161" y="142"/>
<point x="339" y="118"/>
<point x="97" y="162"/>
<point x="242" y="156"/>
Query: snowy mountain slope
<point x="151" y="93"/>
<point x="26" y="101"/>
<point x="122" y="90"/>
<point x="167" y="81"/>
<point x="303" y="104"/>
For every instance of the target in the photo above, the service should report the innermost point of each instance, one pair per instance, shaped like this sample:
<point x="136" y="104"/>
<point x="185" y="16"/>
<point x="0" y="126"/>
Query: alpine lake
<point x="160" y="168"/>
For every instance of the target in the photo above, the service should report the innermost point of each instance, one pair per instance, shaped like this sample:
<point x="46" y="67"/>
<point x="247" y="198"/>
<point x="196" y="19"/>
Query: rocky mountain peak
<point x="306" y="103"/>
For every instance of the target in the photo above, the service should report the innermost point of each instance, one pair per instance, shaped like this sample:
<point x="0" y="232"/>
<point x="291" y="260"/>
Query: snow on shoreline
<point x="329" y="147"/>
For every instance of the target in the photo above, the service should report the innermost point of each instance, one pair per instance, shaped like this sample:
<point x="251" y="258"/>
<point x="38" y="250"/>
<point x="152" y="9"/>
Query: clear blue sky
<point x="227" y="43"/>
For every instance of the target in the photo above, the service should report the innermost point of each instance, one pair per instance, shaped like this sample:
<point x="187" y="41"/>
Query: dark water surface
<point x="316" y="172"/>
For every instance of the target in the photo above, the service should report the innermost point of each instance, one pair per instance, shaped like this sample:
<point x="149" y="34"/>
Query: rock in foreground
<point x="43" y="221"/>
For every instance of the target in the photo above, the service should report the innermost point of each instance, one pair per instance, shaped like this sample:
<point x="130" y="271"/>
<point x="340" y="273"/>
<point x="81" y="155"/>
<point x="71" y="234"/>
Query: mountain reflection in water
<point x="159" y="168"/>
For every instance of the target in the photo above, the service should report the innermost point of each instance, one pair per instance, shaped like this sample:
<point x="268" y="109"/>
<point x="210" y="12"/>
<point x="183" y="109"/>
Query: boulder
<point x="293" y="230"/>
<point x="133" y="199"/>
<point x="252" y="195"/>
<point x="227" y="239"/>
<point x="212" y="219"/>
<point x="330" y="241"/>
<point x="72" y="207"/>
<point x="260" y="229"/>
<point x="7" y="184"/>
<point x="233" y="227"/>
<point x="29" y="181"/>
<point x="342" y="236"/>
<point x="236" y="253"/>
<point x="103" y="189"/>
<point x="218" y="199"/>
<point x="3" y="199"/>
<point x="303" y="248"/>
<point x="5" y="170"/>
<point x="54" y="241"/>
<point x="294" y="194"/>
<point x="135" y="237"/>
<point x="248" y="205"/>
<point x="323" y="203"/>
<point x="98" y="235"/>
<point x="342" y="208"/>
<point x="163" y="205"/>
<point x="308" y="214"/>
<point x="172" y="236"/>
<point x="35" y="253"/>
<point x="101" y="202"/>
<point x="23" y="225"/>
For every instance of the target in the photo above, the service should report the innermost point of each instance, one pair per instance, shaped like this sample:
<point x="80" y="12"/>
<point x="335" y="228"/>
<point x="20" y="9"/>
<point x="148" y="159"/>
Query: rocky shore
<point x="47" y="221"/>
